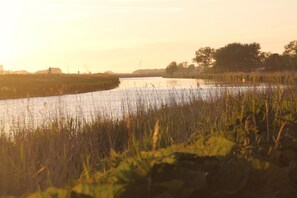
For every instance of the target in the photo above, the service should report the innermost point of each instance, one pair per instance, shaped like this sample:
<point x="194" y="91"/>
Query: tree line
<point x="238" y="57"/>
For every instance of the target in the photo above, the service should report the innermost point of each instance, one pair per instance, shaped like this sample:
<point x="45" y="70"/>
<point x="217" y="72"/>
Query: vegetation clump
<point x="206" y="168"/>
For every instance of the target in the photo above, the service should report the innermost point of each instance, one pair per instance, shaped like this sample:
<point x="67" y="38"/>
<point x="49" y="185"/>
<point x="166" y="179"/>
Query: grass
<point x="35" y="85"/>
<point x="207" y="168"/>
<point x="252" y="77"/>
<point x="114" y="156"/>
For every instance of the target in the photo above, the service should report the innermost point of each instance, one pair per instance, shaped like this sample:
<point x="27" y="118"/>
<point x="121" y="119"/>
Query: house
<point x="51" y="70"/>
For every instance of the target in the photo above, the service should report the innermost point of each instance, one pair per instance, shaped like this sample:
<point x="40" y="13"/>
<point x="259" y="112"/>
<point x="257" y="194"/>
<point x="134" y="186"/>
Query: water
<point x="151" y="91"/>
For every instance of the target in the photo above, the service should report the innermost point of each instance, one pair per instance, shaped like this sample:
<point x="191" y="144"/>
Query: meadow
<point x="36" y="85"/>
<point x="225" y="145"/>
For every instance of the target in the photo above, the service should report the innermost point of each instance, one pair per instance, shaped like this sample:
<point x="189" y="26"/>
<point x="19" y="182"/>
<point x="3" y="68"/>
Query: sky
<point x="126" y="35"/>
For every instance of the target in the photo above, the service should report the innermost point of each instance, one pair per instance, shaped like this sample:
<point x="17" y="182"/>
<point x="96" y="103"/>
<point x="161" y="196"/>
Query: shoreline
<point x="45" y="85"/>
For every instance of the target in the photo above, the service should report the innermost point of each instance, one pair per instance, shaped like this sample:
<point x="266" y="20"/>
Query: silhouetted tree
<point x="274" y="62"/>
<point x="290" y="54"/>
<point x="204" y="56"/>
<point x="238" y="57"/>
<point x="171" y="68"/>
<point x="191" y="68"/>
<point x="291" y="49"/>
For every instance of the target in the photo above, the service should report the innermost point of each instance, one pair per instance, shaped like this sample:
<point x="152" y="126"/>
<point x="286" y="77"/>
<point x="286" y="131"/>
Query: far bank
<point x="37" y="85"/>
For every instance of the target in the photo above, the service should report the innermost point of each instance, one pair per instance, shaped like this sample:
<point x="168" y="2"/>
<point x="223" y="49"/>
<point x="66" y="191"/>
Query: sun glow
<point x="116" y="34"/>
<point x="8" y="19"/>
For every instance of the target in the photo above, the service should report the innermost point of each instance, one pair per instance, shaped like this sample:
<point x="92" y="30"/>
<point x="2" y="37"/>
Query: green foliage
<point x="213" y="146"/>
<point x="50" y="193"/>
<point x="179" y="171"/>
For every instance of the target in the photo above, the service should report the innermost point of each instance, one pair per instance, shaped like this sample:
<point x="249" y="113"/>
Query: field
<point x="35" y="85"/>
<point x="229" y="145"/>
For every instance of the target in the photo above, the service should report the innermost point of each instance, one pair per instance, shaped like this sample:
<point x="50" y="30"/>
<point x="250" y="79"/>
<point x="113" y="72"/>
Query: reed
<point x="58" y="153"/>
<point x="244" y="77"/>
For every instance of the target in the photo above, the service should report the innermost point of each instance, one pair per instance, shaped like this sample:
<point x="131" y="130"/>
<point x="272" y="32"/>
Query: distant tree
<point x="191" y="68"/>
<point x="274" y="62"/>
<point x="181" y="67"/>
<point x="238" y="57"/>
<point x="291" y="49"/>
<point x="171" y="68"/>
<point x="264" y="56"/>
<point x="290" y="54"/>
<point x="204" y="56"/>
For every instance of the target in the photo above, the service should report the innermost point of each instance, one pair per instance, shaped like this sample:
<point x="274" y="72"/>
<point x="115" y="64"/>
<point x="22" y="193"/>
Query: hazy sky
<point x="125" y="35"/>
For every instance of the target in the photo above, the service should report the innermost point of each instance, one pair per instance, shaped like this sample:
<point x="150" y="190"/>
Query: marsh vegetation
<point x="227" y="144"/>
<point x="33" y="85"/>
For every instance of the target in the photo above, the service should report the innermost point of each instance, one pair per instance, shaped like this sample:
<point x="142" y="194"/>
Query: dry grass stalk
<point x="156" y="135"/>
<point x="279" y="134"/>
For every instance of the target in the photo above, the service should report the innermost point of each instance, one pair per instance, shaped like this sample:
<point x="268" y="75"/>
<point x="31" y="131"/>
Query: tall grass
<point x="243" y="77"/>
<point x="58" y="153"/>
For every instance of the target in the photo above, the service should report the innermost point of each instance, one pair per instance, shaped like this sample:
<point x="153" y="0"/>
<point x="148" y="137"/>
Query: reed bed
<point x="57" y="154"/>
<point x="244" y="77"/>
<point x="34" y="85"/>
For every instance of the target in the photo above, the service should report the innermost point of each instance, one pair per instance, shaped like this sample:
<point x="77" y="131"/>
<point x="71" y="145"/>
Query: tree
<point x="171" y="68"/>
<point x="182" y="65"/>
<point x="238" y="57"/>
<point x="290" y="54"/>
<point x="191" y="68"/>
<point x="274" y="62"/>
<point x="291" y="49"/>
<point x="204" y="56"/>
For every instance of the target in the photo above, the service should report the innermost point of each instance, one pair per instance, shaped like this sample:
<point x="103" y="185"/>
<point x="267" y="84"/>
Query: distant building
<point x="51" y="70"/>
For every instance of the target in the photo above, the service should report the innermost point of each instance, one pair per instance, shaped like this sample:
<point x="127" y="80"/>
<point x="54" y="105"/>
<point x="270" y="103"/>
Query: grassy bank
<point x="249" y="77"/>
<point x="251" y="136"/>
<point x="33" y="85"/>
<point x="129" y="75"/>
<point x="254" y="77"/>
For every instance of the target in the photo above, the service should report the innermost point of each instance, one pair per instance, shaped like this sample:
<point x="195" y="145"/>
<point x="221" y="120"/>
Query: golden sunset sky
<point x="125" y="35"/>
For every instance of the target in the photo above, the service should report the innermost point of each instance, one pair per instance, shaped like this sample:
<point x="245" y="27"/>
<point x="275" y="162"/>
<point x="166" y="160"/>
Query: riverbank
<point x="39" y="85"/>
<point x="243" y="77"/>
<point x="131" y="75"/>
<point x="123" y="155"/>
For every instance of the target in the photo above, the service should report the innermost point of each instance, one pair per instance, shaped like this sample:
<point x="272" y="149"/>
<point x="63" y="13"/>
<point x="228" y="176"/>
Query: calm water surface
<point x="151" y="91"/>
